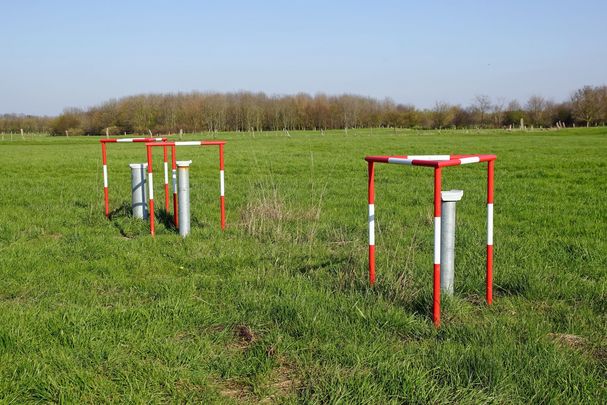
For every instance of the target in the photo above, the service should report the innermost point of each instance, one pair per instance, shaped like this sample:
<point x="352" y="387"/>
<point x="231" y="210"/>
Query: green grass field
<point x="277" y="308"/>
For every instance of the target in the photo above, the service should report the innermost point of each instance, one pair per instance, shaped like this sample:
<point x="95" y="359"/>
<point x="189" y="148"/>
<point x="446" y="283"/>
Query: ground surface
<point x="277" y="308"/>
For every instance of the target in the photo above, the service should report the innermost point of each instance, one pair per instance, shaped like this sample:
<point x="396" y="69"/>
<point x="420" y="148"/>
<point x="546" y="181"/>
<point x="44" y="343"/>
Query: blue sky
<point x="57" y="54"/>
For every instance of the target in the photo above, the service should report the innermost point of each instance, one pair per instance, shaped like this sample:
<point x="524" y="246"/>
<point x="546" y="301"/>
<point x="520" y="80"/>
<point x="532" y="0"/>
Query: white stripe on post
<point x="490" y="224"/>
<point x="188" y="143"/>
<point x="371" y="224"/>
<point x="429" y="157"/>
<point x="221" y="183"/>
<point x="175" y="181"/>
<point x="105" y="176"/>
<point x="466" y="160"/>
<point x="125" y="140"/>
<point x="166" y="173"/>
<point x="151" y="185"/>
<point x="436" y="240"/>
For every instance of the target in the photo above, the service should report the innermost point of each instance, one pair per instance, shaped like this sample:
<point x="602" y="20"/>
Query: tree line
<point x="246" y="111"/>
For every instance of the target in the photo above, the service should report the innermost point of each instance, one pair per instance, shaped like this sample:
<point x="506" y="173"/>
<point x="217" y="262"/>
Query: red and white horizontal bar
<point x="431" y="160"/>
<point x="191" y="143"/>
<point x="128" y="140"/>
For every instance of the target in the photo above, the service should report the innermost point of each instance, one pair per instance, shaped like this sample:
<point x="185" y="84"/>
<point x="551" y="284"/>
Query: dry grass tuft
<point x="571" y="341"/>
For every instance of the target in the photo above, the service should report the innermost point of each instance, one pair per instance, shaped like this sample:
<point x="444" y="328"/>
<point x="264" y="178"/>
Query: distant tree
<point x="513" y="114"/>
<point x="69" y="121"/>
<point x="586" y="104"/>
<point x="603" y="102"/>
<point x="563" y="113"/>
<point x="481" y="106"/>
<point x="245" y="111"/>
<point x="536" y="110"/>
<point x="442" y="115"/>
<point x="463" y="117"/>
<point x="498" y="112"/>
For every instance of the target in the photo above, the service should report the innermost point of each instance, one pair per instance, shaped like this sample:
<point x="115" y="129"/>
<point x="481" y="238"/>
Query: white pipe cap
<point x="138" y="165"/>
<point x="452" y="195"/>
<point x="183" y="163"/>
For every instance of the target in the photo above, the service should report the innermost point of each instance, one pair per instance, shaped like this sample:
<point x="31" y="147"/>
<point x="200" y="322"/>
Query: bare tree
<point x="498" y="111"/>
<point x="441" y="114"/>
<point x="586" y="104"/>
<point x="482" y="105"/>
<point x="536" y="109"/>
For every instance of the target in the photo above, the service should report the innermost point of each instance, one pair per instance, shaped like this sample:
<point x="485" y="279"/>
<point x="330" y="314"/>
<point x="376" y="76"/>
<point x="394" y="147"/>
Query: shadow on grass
<point x="129" y="227"/>
<point x="326" y="265"/>
<point x="166" y="218"/>
<point x="124" y="210"/>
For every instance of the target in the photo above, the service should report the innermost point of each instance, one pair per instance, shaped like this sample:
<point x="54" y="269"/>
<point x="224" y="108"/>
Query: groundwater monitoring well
<point x="437" y="163"/>
<point x="183" y="196"/>
<point x="138" y="193"/>
<point x="449" y="200"/>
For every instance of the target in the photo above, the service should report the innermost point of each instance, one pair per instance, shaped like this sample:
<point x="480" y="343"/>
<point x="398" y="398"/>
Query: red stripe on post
<point x="152" y="227"/>
<point x="221" y="156"/>
<point x="490" y="167"/>
<point x="371" y="185"/>
<point x="436" y="300"/>
<point x="371" y="264"/>
<point x="437" y="195"/>
<point x="380" y="159"/>
<point x="489" y="291"/>
<point x="149" y="158"/>
<point x="222" y="205"/>
<point x="107" y="201"/>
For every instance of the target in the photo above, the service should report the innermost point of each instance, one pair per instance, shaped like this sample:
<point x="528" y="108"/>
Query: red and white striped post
<point x="174" y="168"/>
<point x="151" y="191"/>
<point x="106" y="196"/>
<point x="166" y="180"/>
<point x="221" y="189"/>
<point x="489" y="290"/>
<point x="437" y="243"/>
<point x="371" y="220"/>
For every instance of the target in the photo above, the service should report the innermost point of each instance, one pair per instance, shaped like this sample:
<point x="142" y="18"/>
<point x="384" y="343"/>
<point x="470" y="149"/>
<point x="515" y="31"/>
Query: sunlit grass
<point x="277" y="307"/>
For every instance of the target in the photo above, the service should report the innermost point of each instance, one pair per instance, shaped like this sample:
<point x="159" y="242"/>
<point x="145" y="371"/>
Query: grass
<point x="277" y="308"/>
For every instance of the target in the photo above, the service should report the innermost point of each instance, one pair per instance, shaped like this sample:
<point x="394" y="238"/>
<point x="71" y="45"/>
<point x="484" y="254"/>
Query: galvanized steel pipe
<point x="183" y="196"/>
<point x="447" y="242"/>
<point x="138" y="191"/>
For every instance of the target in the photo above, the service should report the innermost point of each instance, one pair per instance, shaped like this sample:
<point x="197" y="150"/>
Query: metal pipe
<point x="138" y="192"/>
<point x="183" y="196"/>
<point x="447" y="244"/>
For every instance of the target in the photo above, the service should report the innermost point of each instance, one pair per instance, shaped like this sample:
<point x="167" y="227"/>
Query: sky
<point x="58" y="54"/>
